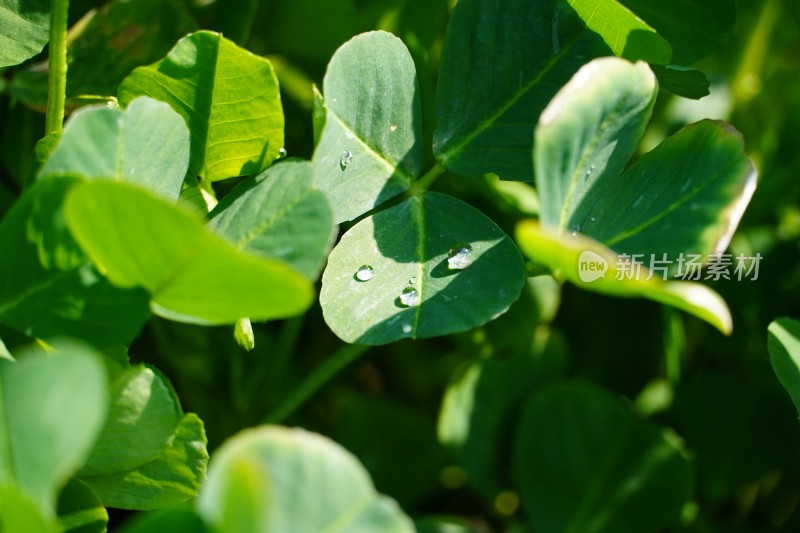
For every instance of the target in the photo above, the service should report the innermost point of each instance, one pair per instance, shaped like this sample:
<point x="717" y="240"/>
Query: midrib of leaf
<point x="591" y="495"/>
<point x="418" y="215"/>
<point x="664" y="212"/>
<point x="511" y="102"/>
<point x="347" y="517"/>
<point x="30" y="292"/>
<point x="579" y="169"/>
<point x="396" y="170"/>
<point x="268" y="223"/>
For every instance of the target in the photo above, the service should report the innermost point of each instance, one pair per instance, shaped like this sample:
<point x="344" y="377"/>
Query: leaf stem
<point x="57" y="79"/>
<point x="321" y="375"/>
<point x="425" y="182"/>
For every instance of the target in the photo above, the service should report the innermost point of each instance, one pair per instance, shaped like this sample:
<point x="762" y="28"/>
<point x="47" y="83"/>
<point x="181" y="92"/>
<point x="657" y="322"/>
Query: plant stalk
<point x="57" y="79"/>
<point x="425" y="182"/>
<point x="321" y="375"/>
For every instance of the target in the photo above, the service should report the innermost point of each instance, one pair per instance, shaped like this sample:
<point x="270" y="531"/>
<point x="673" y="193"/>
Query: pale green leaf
<point x="25" y="29"/>
<point x="576" y="257"/>
<point x="279" y="214"/>
<point x="19" y="513"/>
<point x="146" y="144"/>
<point x="191" y="274"/>
<point x="585" y="464"/>
<point x="501" y="64"/>
<point x="53" y="409"/>
<point x="369" y="149"/>
<point x="406" y="248"/>
<point x="273" y="480"/>
<point x="229" y="98"/>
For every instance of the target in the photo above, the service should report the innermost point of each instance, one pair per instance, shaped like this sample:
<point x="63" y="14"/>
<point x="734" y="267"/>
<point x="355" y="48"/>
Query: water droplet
<point x="409" y="297"/>
<point x="589" y="170"/>
<point x="592" y="219"/>
<point x="413" y="280"/>
<point x="364" y="273"/>
<point x="406" y="328"/>
<point x="574" y="233"/>
<point x="281" y="153"/>
<point x="459" y="257"/>
<point x="347" y="158"/>
<point x="393" y="127"/>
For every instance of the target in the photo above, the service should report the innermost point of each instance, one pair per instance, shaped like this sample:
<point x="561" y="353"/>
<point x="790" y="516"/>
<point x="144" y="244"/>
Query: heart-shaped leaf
<point x="429" y="266"/>
<point x="591" y="266"/>
<point x="147" y="144"/>
<point x="228" y="97"/>
<point x="192" y="275"/>
<point x="279" y="214"/>
<point x="47" y="287"/>
<point x="625" y="33"/>
<point x="26" y="29"/>
<point x="501" y="64"/>
<point x="369" y="149"/>
<point x="585" y="464"/>
<point x="260" y="481"/>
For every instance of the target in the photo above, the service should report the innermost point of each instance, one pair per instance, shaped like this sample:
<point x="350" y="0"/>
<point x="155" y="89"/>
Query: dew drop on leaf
<point x="406" y="328"/>
<point x="364" y="273"/>
<point x="459" y="257"/>
<point x="393" y="127"/>
<point x="282" y="153"/>
<point x="413" y="280"/>
<point x="347" y="158"/>
<point x="409" y="297"/>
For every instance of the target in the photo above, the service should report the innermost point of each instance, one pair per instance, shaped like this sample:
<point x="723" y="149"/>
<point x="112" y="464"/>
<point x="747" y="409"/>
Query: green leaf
<point x="47" y="287"/>
<point x="563" y="254"/>
<point x="279" y="214"/>
<point x="273" y="479"/>
<point x="406" y="248"/>
<point x="443" y="525"/>
<point x="142" y="417"/>
<point x="4" y="353"/>
<point x="53" y="408"/>
<point x="475" y="420"/>
<point x="170" y="479"/>
<point x="686" y="82"/>
<point x="623" y="31"/>
<point x="784" y="354"/>
<point x="80" y="510"/>
<point x="146" y="144"/>
<point x="496" y="77"/>
<point x="228" y="97"/>
<point x="191" y="274"/>
<point x="19" y="513"/>
<point x="587" y="134"/>
<point x="26" y="29"/>
<point x="182" y="520"/>
<point x="585" y="464"/>
<point x="687" y="195"/>
<point x="694" y="28"/>
<point x="369" y="149"/>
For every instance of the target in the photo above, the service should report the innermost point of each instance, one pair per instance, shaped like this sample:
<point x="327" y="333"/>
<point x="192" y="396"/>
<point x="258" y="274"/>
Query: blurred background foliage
<point x="434" y="421"/>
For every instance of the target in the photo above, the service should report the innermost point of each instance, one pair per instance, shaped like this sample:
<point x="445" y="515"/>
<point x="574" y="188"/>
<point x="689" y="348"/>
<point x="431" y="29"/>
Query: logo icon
<point x="591" y="266"/>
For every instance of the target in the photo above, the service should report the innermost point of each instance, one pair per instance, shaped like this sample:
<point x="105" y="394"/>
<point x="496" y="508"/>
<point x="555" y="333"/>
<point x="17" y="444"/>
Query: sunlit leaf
<point x="25" y="29"/>
<point x="369" y="149"/>
<point x="429" y="266"/>
<point x="229" y="98"/>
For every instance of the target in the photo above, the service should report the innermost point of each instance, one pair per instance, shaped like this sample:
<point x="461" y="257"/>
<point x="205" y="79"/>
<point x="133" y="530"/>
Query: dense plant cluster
<point x="399" y="265"/>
